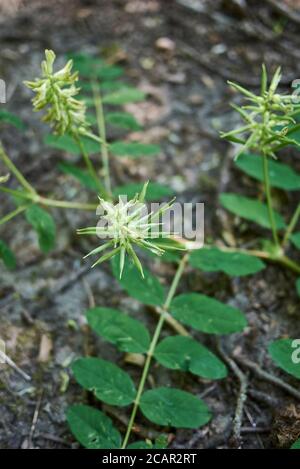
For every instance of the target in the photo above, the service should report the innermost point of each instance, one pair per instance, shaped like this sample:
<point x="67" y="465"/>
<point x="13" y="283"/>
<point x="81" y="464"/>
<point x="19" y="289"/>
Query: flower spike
<point x="55" y="92"/>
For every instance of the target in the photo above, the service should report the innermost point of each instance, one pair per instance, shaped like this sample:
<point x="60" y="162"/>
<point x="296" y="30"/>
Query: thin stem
<point x="90" y="166"/>
<point x="92" y="136"/>
<point x="102" y="135"/>
<point x="10" y="165"/>
<point x="291" y="226"/>
<point x="13" y="214"/>
<point x="287" y="262"/>
<point x="66" y="204"/>
<point x="152" y="347"/>
<point x="20" y="194"/>
<point x="47" y="201"/>
<point x="269" y="198"/>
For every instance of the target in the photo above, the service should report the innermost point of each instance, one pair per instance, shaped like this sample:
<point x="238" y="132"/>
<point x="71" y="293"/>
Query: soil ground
<point x="42" y="300"/>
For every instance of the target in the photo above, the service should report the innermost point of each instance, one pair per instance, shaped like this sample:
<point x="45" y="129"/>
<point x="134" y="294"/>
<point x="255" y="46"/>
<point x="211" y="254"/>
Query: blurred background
<point x="181" y="53"/>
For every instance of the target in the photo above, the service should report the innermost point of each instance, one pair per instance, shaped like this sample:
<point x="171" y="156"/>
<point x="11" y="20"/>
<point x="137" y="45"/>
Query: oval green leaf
<point x="295" y="238"/>
<point x="92" y="428"/>
<point x="147" y="290"/>
<point x="174" y="408"/>
<point x="109" y="382"/>
<point x="231" y="263"/>
<point x="67" y="144"/>
<point x="296" y="445"/>
<point x="43" y="223"/>
<point x="281" y="175"/>
<point x="250" y="209"/>
<point x="140" y="445"/>
<point x="155" y="191"/>
<point x="207" y="314"/>
<point x="134" y="149"/>
<point x="12" y="119"/>
<point x="7" y="255"/>
<point x="128" y="334"/>
<point x="186" y="354"/>
<point x="125" y="120"/>
<point x="123" y="96"/>
<point x="81" y="175"/>
<point x="286" y="355"/>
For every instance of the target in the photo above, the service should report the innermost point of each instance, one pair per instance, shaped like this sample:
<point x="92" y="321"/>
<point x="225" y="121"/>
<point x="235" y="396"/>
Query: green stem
<point x="66" y="204"/>
<point x="92" y="136"/>
<point x="90" y="166"/>
<point x="13" y="214"/>
<point x="287" y="262"/>
<point x="269" y="198"/>
<point x="10" y="165"/>
<point x="291" y="226"/>
<point x="38" y="199"/>
<point x="102" y="134"/>
<point x="152" y="347"/>
<point x="20" y="194"/>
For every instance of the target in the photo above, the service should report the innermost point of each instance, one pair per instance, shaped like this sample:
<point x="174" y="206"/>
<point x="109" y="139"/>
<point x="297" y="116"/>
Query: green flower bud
<point x="265" y="114"/>
<point x="4" y="178"/>
<point x="128" y="224"/>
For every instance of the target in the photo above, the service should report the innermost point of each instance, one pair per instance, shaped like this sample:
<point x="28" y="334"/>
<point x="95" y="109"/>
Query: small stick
<point x="35" y="419"/>
<point x="239" y="412"/>
<point x="268" y="377"/>
<point x="55" y="439"/>
<point x="5" y="359"/>
<point x="89" y="292"/>
<point x="255" y="429"/>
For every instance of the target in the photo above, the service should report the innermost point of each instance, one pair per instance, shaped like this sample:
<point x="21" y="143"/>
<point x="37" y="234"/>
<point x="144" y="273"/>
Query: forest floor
<point x="189" y="103"/>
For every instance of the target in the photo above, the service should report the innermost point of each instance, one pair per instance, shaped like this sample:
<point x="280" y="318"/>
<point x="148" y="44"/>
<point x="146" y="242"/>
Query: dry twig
<point x="268" y="376"/>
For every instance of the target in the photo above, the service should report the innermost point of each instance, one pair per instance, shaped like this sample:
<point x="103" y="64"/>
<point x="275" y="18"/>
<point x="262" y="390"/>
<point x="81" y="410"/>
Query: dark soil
<point x="44" y="300"/>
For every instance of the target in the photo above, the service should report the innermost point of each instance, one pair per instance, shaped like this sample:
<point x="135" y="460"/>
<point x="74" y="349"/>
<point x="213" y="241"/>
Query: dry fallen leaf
<point x="165" y="44"/>
<point x="46" y="346"/>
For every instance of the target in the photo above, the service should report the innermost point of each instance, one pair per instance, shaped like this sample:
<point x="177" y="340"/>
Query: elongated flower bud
<point x="55" y="93"/>
<point x="4" y="178"/>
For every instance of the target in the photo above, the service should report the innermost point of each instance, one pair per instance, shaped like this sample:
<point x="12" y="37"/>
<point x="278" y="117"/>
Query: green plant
<point x="79" y="124"/>
<point x="127" y="230"/>
<point x="271" y="124"/>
